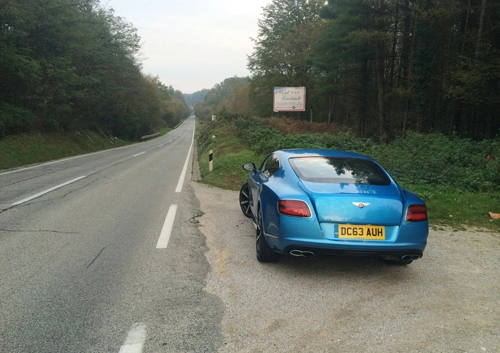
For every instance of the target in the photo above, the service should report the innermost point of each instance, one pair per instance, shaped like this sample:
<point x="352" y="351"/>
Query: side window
<point x="270" y="165"/>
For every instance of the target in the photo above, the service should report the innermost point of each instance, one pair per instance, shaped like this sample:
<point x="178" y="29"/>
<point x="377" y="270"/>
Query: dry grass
<point x="25" y="149"/>
<point x="294" y="126"/>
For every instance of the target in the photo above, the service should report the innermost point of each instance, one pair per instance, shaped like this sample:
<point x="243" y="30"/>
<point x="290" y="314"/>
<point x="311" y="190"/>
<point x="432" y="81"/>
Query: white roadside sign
<point x="289" y="99"/>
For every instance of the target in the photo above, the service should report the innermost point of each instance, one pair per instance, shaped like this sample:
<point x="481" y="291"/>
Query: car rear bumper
<point x="309" y="235"/>
<point x="394" y="251"/>
<point x="409" y="254"/>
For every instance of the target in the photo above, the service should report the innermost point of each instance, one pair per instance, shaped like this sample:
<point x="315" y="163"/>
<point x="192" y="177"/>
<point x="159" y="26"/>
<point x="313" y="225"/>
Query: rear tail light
<point x="294" y="208"/>
<point x="416" y="213"/>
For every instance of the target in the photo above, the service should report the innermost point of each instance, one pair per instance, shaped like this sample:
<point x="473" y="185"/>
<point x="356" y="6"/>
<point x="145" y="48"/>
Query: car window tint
<point x="270" y="165"/>
<point x="339" y="170"/>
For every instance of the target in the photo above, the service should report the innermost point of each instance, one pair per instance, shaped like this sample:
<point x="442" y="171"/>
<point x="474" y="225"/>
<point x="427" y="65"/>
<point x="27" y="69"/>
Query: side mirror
<point x="249" y="167"/>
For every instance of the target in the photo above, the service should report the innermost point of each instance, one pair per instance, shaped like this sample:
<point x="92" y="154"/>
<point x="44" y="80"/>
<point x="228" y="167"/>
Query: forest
<point x="379" y="68"/>
<point x="70" y="65"/>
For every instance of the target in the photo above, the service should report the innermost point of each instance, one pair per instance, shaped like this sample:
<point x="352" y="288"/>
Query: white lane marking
<point x="161" y="145"/>
<point x="47" y="191"/>
<point x="135" y="339"/>
<point x="167" y="228"/>
<point x="183" y="174"/>
<point x="138" y="154"/>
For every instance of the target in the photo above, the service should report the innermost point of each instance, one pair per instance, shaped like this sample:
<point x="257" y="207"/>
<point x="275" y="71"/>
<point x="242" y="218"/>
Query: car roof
<point x="315" y="152"/>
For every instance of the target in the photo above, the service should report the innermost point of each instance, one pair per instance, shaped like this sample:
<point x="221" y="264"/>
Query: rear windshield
<point x="339" y="171"/>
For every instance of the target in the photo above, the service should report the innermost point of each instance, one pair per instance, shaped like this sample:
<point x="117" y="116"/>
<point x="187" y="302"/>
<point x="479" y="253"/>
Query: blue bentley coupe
<point x="309" y="201"/>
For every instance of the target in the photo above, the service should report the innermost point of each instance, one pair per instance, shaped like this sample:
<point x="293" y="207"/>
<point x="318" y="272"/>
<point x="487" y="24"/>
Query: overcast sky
<point x="193" y="44"/>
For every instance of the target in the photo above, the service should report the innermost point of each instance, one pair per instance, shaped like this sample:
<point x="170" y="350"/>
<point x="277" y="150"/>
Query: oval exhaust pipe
<point x="410" y="257"/>
<point x="301" y="253"/>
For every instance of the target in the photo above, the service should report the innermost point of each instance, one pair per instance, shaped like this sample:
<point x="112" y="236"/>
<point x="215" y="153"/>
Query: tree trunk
<point x="481" y="25"/>
<point x="330" y="108"/>
<point x="363" y="98"/>
<point x="380" y="91"/>
<point x="405" y="119"/>
<point x="466" y="27"/>
<point x="394" y="48"/>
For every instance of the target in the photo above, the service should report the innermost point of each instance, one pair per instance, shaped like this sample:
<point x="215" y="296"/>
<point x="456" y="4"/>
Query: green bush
<point x="14" y="120"/>
<point x="261" y="138"/>
<point x="439" y="160"/>
<point x="416" y="159"/>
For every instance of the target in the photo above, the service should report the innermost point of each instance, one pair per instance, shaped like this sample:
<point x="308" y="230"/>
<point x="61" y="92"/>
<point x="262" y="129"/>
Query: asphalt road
<point x="101" y="253"/>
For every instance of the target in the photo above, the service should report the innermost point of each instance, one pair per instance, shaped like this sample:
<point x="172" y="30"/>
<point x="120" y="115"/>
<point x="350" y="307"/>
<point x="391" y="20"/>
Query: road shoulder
<point x="446" y="302"/>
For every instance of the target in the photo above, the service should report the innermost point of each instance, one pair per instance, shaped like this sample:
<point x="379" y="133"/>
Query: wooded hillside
<point x="73" y="64"/>
<point x="381" y="67"/>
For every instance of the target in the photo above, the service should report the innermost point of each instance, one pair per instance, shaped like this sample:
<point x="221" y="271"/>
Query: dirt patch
<point x="446" y="302"/>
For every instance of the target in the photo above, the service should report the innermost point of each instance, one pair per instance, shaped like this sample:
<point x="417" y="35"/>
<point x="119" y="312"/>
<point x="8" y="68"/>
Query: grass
<point x="447" y="207"/>
<point x="228" y="157"/>
<point x="227" y="169"/>
<point x="461" y="210"/>
<point x="25" y="149"/>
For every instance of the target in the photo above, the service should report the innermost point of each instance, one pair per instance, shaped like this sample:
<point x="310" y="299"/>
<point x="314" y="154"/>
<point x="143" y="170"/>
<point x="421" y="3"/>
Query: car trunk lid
<point x="355" y="203"/>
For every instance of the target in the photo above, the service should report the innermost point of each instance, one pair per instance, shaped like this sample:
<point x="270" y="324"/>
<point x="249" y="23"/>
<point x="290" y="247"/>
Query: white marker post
<point x="210" y="161"/>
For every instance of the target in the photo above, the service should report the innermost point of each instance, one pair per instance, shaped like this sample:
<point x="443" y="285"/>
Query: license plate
<point x="349" y="231"/>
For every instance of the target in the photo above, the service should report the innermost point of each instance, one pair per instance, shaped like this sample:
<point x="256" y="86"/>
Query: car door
<point x="260" y="177"/>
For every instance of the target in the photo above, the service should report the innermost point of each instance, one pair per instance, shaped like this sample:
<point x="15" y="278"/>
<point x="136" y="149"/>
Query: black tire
<point x="262" y="249"/>
<point x="245" y="200"/>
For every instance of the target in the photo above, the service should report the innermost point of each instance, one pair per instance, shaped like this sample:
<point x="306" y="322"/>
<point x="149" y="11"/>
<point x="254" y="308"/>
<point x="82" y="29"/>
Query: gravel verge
<point x="446" y="302"/>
